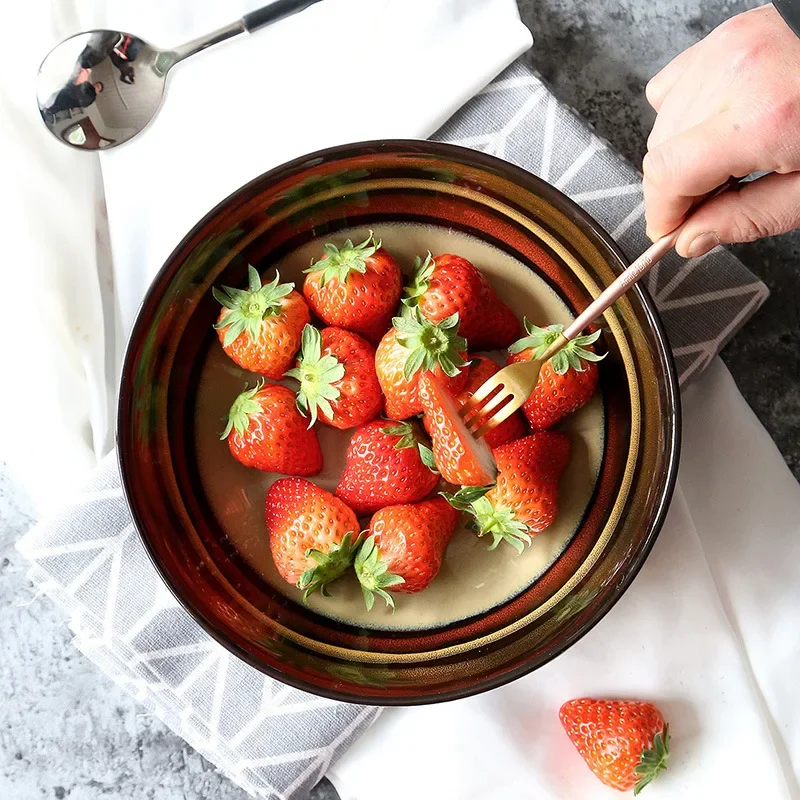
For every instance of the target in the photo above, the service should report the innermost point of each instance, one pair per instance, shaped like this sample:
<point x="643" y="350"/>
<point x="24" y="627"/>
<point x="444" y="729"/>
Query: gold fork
<point x="509" y="388"/>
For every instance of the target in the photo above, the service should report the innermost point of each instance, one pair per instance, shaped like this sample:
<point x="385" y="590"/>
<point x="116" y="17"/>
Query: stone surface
<point x="66" y="731"/>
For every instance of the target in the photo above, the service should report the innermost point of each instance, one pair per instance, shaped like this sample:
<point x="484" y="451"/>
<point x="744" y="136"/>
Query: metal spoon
<point x="99" y="89"/>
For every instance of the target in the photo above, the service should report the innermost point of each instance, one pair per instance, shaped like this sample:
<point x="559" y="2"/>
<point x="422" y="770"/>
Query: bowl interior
<point x="489" y="615"/>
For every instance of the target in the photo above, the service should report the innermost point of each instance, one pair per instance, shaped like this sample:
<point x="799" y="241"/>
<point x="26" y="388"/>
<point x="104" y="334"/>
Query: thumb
<point x="765" y="207"/>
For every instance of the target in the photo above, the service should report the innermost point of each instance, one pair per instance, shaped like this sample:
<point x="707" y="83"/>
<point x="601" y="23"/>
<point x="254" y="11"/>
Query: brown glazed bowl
<point x="182" y="524"/>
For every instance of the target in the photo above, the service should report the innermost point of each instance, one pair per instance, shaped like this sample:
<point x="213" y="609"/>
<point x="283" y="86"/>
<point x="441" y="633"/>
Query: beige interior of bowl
<point x="472" y="579"/>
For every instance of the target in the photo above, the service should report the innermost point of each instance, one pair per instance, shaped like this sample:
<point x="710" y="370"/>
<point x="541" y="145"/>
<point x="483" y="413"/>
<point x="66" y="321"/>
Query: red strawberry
<point x="384" y="467"/>
<point x="481" y="369"/>
<point x="448" y="285"/>
<point x="414" y="346"/>
<point x="625" y="743"/>
<point x="567" y="381"/>
<point x="405" y="548"/>
<point x="266" y="431"/>
<point x="336" y="370"/>
<point x="524" y="500"/>
<point x="312" y="534"/>
<point x="356" y="287"/>
<point x="260" y="327"/>
<point x="458" y="455"/>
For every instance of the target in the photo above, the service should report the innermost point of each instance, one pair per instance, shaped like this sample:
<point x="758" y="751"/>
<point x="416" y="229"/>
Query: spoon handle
<point x="273" y="12"/>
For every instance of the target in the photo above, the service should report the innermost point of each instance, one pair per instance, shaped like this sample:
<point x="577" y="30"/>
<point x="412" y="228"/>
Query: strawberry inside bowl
<point x="287" y="493"/>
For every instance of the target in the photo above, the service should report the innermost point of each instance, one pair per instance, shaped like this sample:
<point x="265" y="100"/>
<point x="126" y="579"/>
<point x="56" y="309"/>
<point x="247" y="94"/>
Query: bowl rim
<point x="590" y="227"/>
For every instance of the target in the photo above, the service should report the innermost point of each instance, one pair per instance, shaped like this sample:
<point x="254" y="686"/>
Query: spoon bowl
<point x="99" y="89"/>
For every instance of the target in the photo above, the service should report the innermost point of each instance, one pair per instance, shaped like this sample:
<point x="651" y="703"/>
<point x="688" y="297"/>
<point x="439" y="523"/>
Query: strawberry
<point x="260" y="327"/>
<point x="405" y="549"/>
<point x="625" y="743"/>
<point x="458" y="455"/>
<point x="448" y="285"/>
<point x="313" y="535"/>
<point x="481" y="369"/>
<point x="413" y="346"/>
<point x="266" y="431"/>
<point x="524" y="500"/>
<point x="356" y="287"/>
<point x="336" y="370"/>
<point x="566" y="382"/>
<point x="386" y="465"/>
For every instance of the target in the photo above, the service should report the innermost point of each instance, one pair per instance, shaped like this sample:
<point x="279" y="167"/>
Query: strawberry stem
<point x="248" y="308"/>
<point x="329" y="566"/>
<point x="573" y="355"/>
<point x="373" y="575"/>
<point x="498" y="522"/>
<point x="653" y="761"/>
<point x="430" y="344"/>
<point x="340" y="262"/>
<point x="423" y="270"/>
<point x="243" y="408"/>
<point x="317" y="374"/>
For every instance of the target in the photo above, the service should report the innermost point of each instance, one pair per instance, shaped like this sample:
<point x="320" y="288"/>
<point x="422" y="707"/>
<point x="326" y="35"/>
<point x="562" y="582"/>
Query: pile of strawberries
<point x="380" y="357"/>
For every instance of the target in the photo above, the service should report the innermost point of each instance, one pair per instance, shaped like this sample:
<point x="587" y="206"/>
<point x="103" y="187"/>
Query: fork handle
<point x="638" y="269"/>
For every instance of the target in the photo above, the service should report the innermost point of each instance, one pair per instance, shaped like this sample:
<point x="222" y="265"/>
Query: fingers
<point x="661" y="84"/>
<point x="765" y="207"/>
<point x="692" y="164"/>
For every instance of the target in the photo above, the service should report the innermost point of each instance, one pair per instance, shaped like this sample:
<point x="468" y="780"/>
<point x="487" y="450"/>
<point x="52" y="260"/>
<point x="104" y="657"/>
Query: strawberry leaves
<point x="408" y="438"/>
<point x="373" y="574"/>
<point x="430" y="344"/>
<point x="340" y="262"/>
<point x="653" y="761"/>
<point x="243" y="408"/>
<point x="487" y="519"/>
<point x="328" y="566"/>
<point x="423" y="271"/>
<point x="572" y="355"/>
<point x="317" y="374"/>
<point x="247" y="308"/>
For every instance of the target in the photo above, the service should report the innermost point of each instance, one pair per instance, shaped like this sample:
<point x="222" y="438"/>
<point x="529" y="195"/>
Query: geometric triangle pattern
<point x="274" y="741"/>
<point x="703" y="301"/>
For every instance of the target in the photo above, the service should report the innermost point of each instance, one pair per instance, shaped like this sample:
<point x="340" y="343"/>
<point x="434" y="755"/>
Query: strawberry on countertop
<point x="313" y="535"/>
<point x="404" y="549"/>
<point x="266" y="431"/>
<point x="412" y="347"/>
<point x="356" y="287"/>
<point x="566" y="382"/>
<point x="336" y="370"/>
<point x="386" y="465"/>
<point x="448" y="285"/>
<point x="625" y="743"/>
<point x="260" y="327"/>
<point x="524" y="500"/>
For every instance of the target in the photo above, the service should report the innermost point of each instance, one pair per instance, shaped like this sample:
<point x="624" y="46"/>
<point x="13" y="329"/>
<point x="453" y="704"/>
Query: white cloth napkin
<point x="708" y="631"/>
<point x="343" y="70"/>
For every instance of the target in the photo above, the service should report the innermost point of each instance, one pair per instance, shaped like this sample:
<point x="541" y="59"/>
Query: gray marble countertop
<point x="66" y="731"/>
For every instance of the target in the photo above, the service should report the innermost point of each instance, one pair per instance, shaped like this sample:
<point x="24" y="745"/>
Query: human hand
<point x="727" y="106"/>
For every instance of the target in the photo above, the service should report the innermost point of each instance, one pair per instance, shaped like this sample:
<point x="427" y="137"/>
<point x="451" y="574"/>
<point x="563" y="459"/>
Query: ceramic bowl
<point x="489" y="617"/>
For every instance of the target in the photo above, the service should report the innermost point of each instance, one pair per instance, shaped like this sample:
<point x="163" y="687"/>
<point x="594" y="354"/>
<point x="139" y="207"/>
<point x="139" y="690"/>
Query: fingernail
<point x="701" y="244"/>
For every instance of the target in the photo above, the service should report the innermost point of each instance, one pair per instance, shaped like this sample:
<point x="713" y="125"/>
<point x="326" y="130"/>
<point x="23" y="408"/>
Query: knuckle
<point x="750" y="223"/>
<point x="654" y="166"/>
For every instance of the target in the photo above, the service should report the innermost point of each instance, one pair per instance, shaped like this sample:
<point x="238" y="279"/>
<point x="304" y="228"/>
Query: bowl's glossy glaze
<point x="362" y="185"/>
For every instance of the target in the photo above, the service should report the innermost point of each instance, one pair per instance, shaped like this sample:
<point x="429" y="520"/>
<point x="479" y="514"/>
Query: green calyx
<point x="328" y="566"/>
<point x="317" y="374"/>
<point x="243" y="408"/>
<point x="420" y="281"/>
<point x="250" y="307"/>
<point x="653" y="761"/>
<point x="408" y="438"/>
<point x="340" y="262"/>
<point x="430" y="344"/>
<point x="373" y="574"/>
<point x="498" y="522"/>
<point x="573" y="355"/>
